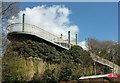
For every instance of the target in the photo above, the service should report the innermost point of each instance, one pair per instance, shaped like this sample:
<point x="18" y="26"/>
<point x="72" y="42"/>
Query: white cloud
<point x="83" y="44"/>
<point x="53" y="19"/>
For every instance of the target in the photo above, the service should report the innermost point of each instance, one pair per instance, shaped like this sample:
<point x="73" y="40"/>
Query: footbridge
<point x="115" y="68"/>
<point x="31" y="31"/>
<point x="24" y="31"/>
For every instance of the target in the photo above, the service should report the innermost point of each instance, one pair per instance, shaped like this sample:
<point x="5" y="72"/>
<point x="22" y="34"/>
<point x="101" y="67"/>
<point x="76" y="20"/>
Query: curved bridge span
<point x="37" y="33"/>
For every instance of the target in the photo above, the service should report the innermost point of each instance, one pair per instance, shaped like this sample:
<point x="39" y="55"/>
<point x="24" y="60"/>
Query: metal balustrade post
<point x="95" y="68"/>
<point x="23" y="22"/>
<point x="69" y="39"/>
<point x="113" y="53"/>
<point x="76" y="38"/>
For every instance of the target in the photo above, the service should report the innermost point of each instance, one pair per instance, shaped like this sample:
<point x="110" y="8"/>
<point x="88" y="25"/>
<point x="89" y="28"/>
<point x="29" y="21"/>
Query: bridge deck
<point x="33" y="30"/>
<point x="116" y="68"/>
<point x="38" y="33"/>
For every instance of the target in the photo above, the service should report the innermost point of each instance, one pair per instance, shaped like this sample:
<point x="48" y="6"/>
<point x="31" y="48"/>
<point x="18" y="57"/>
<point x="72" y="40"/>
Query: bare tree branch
<point x="9" y="9"/>
<point x="10" y="5"/>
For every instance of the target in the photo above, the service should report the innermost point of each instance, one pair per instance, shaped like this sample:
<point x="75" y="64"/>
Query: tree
<point x="9" y="9"/>
<point x="96" y="46"/>
<point x="66" y="72"/>
<point x="80" y="56"/>
<point x="105" y="49"/>
<point x="49" y="77"/>
<point x="14" y="66"/>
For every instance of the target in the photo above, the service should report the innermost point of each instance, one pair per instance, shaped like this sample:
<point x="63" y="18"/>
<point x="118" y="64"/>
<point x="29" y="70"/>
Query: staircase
<point x="116" y="68"/>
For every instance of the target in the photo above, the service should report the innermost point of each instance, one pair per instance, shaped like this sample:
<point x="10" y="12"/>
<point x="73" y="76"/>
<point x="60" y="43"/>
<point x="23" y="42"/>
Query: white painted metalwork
<point x="93" y="76"/>
<point x="116" y="68"/>
<point x="32" y="29"/>
<point x="29" y="28"/>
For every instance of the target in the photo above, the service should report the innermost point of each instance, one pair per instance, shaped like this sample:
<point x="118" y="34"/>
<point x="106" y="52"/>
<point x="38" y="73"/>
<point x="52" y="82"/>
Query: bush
<point x="17" y="52"/>
<point x="13" y="67"/>
<point x="49" y="77"/>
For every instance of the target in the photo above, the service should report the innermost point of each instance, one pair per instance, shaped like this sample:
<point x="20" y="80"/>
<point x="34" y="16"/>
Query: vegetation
<point x="24" y="61"/>
<point x="65" y="65"/>
<point x="106" y="49"/>
<point x="8" y="10"/>
<point x="13" y="66"/>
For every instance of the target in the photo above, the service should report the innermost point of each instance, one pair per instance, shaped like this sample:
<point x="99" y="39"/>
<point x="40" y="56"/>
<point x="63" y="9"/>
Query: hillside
<point x="35" y="61"/>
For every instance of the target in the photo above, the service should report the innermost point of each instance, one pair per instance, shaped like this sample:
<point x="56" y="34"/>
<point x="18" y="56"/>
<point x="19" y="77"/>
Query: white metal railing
<point x="29" y="28"/>
<point x="116" y="68"/>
